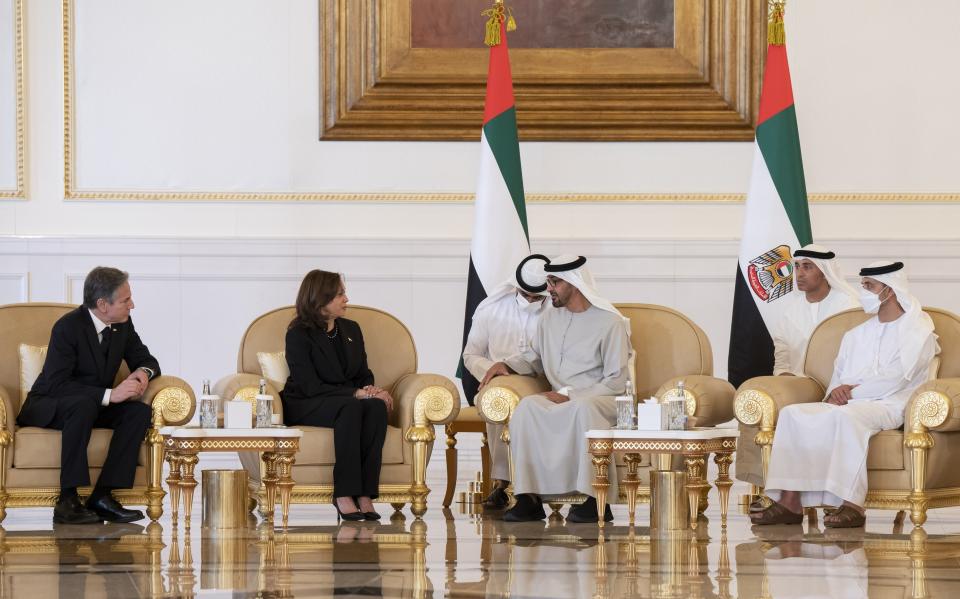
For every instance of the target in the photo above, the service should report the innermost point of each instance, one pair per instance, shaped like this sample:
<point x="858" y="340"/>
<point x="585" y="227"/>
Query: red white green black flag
<point x="777" y="219"/>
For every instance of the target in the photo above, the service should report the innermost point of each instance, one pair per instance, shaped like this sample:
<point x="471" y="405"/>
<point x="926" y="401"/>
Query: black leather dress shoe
<point x="107" y="508"/>
<point x="497" y="499"/>
<point x="586" y="512"/>
<point x="69" y="510"/>
<point x="528" y="509"/>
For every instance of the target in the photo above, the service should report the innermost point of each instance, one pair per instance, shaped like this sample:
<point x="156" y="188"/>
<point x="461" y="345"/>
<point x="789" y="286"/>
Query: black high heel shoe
<point x="351" y="517"/>
<point x="371" y="515"/>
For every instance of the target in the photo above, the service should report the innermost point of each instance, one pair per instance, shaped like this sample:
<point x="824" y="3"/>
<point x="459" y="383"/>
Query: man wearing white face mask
<point x="820" y="450"/>
<point x="504" y="325"/>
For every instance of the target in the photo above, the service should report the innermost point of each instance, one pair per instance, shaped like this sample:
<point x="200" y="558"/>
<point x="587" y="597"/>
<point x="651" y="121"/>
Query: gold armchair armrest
<point x="172" y="400"/>
<point x="245" y="386"/>
<point x="173" y="403"/>
<point x="8" y="421"/>
<point x="422" y="402"/>
<point x="424" y="399"/>
<point x="935" y="406"/>
<point x="759" y="400"/>
<point x="709" y="400"/>
<point x="498" y="398"/>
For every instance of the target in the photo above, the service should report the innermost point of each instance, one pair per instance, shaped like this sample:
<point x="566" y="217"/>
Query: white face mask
<point x="871" y="301"/>
<point x="526" y="306"/>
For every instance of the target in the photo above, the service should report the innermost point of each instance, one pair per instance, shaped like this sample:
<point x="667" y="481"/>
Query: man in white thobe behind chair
<point x="583" y="349"/>
<point x="821" y="293"/>
<point x="504" y="325"/>
<point x="820" y="450"/>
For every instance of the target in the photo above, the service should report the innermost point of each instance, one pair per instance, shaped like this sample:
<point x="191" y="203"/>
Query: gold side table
<point x="278" y="447"/>
<point x="694" y="445"/>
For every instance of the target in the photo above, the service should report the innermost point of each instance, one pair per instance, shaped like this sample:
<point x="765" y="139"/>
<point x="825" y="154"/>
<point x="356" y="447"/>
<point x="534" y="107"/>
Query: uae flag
<point x="777" y="220"/>
<point x="500" y="237"/>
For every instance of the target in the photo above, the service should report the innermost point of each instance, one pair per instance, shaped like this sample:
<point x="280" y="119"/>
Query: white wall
<point x="222" y="95"/>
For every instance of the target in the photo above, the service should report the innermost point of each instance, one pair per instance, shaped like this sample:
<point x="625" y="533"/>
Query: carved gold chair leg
<point x="485" y="464"/>
<point x="5" y="439"/>
<point x="451" y="459"/>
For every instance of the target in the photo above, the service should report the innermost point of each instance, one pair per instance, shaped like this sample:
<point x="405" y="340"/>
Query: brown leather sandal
<point x="776" y="514"/>
<point x="845" y="517"/>
<point x="760" y="503"/>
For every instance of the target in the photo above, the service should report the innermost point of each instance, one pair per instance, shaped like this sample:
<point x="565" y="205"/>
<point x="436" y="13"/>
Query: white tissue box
<point x="237" y="414"/>
<point x="651" y="417"/>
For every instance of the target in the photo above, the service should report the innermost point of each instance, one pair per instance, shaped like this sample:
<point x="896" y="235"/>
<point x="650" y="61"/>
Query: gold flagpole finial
<point x="495" y="16"/>
<point x="776" y="34"/>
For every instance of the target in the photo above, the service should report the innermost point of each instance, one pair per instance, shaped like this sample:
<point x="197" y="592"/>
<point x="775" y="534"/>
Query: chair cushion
<point x="274" y="367"/>
<point x="40" y="448"/>
<point x="32" y="358"/>
<point x="885" y="451"/>
<point x="316" y="446"/>
<point x="469" y="414"/>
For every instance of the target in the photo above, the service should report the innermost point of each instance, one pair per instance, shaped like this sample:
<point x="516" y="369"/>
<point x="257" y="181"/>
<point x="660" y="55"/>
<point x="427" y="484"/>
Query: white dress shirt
<point x="501" y="330"/>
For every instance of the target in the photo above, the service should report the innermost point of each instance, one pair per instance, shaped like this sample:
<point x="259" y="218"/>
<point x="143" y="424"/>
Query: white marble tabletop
<point x="692" y="434"/>
<point x="194" y="432"/>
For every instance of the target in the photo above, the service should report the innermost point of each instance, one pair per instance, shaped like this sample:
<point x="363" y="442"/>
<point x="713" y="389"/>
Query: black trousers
<point x="359" y="428"/>
<point x="76" y="417"/>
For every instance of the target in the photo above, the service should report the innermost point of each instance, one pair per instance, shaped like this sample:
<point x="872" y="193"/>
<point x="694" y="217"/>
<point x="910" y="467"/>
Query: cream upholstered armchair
<point x="30" y="456"/>
<point x="669" y="347"/>
<point x="911" y="468"/>
<point x="421" y="401"/>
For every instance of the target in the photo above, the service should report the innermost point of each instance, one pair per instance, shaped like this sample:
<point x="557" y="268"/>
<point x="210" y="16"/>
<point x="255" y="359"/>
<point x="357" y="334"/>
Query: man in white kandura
<point x="821" y="292"/>
<point x="504" y="325"/>
<point x="820" y="450"/>
<point x="583" y="349"/>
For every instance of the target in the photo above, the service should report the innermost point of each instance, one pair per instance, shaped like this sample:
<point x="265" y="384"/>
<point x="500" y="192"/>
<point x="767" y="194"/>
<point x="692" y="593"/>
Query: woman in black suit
<point x="330" y="385"/>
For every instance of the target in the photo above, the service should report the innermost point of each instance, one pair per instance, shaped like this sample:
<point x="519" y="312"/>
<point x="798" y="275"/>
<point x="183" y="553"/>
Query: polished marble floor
<point x="454" y="553"/>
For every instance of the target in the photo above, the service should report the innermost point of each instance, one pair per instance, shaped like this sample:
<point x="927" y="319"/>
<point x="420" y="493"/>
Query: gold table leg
<point x="270" y="485"/>
<point x="696" y="465"/>
<point x="723" y="482"/>
<point x="187" y="484"/>
<point x="173" y="484"/>
<point x="285" y="467"/>
<point x="631" y="482"/>
<point x="601" y="450"/>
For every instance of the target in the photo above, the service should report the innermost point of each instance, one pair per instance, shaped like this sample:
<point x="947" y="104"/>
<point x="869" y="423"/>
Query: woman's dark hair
<point x="317" y="290"/>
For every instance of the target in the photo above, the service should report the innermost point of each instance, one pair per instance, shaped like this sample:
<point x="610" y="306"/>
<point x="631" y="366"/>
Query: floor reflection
<point x="472" y="555"/>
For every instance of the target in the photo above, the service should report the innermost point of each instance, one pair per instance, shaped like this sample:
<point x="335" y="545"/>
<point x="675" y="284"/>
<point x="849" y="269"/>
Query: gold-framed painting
<point x="12" y="102"/>
<point x="583" y="70"/>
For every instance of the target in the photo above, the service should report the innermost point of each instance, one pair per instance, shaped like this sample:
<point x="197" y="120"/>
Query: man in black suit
<point x="75" y="394"/>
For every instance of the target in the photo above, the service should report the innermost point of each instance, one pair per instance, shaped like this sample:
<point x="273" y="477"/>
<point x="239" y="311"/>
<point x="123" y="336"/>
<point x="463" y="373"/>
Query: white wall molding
<point x="19" y="282"/>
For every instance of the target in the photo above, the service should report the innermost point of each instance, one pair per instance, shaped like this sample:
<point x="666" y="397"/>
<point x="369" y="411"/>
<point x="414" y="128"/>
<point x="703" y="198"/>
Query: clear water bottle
<point x="209" y="407"/>
<point x="627" y="408"/>
<point x="624" y="412"/>
<point x="678" y="408"/>
<point x="264" y="407"/>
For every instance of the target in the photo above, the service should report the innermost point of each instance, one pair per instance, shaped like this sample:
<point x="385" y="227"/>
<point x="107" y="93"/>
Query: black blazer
<point x="76" y="366"/>
<point x="315" y="370"/>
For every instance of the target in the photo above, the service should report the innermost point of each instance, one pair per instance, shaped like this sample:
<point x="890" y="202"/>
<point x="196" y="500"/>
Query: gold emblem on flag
<point x="771" y="273"/>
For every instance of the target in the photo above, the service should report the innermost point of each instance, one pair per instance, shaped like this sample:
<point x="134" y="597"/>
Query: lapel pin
<point x="349" y="339"/>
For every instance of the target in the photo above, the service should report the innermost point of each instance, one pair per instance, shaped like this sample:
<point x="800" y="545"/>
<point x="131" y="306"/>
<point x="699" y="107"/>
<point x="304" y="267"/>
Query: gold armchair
<point x="669" y="347"/>
<point x="421" y="402"/>
<point x="910" y="468"/>
<point x="30" y="456"/>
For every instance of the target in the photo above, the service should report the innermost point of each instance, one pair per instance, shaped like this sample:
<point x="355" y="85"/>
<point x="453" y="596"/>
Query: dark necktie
<point x="105" y="339"/>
